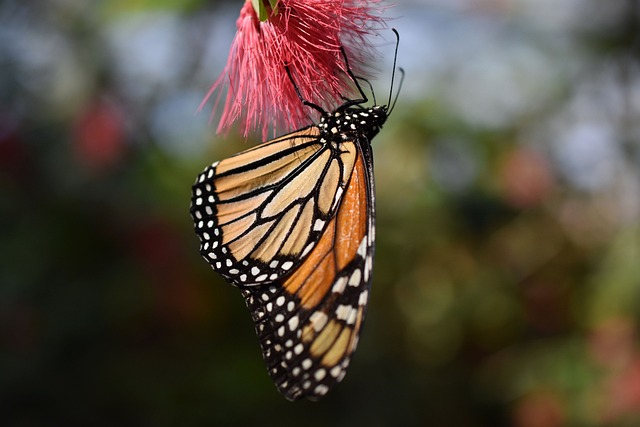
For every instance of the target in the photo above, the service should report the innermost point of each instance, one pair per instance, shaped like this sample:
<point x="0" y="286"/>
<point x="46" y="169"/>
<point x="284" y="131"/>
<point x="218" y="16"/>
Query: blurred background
<point x="507" y="279"/>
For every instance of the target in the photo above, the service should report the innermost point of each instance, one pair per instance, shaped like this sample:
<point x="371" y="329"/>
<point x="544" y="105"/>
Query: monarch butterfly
<point x="291" y="223"/>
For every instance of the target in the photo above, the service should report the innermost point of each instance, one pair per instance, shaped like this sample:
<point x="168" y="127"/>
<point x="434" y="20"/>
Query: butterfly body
<point x="291" y="222"/>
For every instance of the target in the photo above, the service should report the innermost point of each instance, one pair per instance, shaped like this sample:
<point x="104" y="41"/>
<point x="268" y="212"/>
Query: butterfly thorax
<point x="353" y="123"/>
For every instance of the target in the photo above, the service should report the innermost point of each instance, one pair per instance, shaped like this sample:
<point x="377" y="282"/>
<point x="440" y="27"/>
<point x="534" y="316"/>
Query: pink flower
<point x="307" y="36"/>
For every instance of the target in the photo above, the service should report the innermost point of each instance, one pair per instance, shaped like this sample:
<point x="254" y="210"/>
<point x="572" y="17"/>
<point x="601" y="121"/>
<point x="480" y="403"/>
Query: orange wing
<point x="259" y="213"/>
<point x="308" y="322"/>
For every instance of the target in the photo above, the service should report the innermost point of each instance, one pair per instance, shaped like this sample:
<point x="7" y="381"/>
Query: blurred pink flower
<point x="540" y="409"/>
<point x="307" y="36"/>
<point x="99" y="136"/>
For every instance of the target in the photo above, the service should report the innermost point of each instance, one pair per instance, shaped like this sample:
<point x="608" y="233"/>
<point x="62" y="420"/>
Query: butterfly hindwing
<point x="308" y="323"/>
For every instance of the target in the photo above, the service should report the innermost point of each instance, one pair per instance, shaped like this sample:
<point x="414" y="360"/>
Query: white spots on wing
<point x="287" y="265"/>
<point x="298" y="348"/>
<point x="368" y="265"/>
<point x="296" y="371"/>
<point x="355" y="278"/>
<point x="234" y="271"/>
<point x="343" y="311"/>
<point x="243" y="277"/>
<point x="261" y="278"/>
<point x="334" y="130"/>
<point x="279" y="317"/>
<point x="208" y="210"/>
<point x="339" y="192"/>
<point x="318" y="319"/>
<point x="212" y="255"/>
<point x="318" y="225"/>
<point x="362" y="249"/>
<point x="307" y="249"/>
<point x="273" y="264"/>
<point x="255" y="271"/>
<point x="364" y="296"/>
<point x="353" y="314"/>
<point x="228" y="262"/>
<point x="339" y="285"/>
<point x="335" y="371"/>
<point x="293" y="322"/>
<point x="280" y="301"/>
<point x="281" y="331"/>
<point x="274" y="276"/>
<point x="270" y="307"/>
<point x="291" y="305"/>
<point x="265" y="297"/>
<point x="306" y="364"/>
<point x="321" y="389"/>
<point x="320" y="374"/>
<point x="199" y="201"/>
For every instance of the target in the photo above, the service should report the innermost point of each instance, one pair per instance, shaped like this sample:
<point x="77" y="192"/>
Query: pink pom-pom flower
<point x="306" y="36"/>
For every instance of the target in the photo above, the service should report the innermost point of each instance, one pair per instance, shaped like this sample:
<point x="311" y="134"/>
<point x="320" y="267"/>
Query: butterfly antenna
<point x="393" y="73"/>
<point x="398" y="92"/>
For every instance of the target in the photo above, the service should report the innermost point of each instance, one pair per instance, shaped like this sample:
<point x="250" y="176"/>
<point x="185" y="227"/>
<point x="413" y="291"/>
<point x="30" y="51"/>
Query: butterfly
<point x="291" y="223"/>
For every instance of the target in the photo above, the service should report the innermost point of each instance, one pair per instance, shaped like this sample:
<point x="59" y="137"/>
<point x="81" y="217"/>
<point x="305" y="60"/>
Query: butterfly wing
<point x="308" y="323"/>
<point x="259" y="213"/>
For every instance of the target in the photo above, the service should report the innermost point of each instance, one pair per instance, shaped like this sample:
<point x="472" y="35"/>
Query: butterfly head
<point x="350" y="123"/>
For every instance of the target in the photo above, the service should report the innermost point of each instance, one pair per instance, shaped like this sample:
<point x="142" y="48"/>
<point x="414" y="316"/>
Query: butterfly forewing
<point x="260" y="212"/>
<point x="308" y="325"/>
